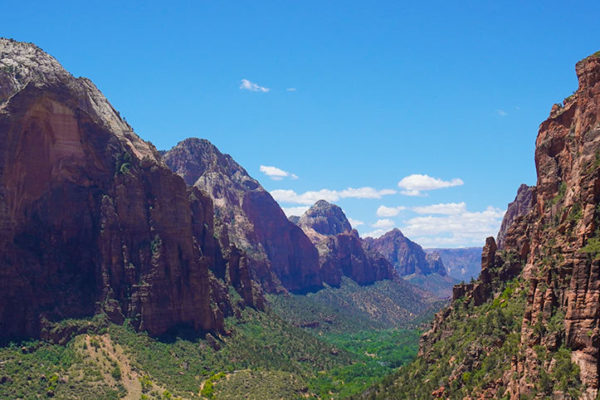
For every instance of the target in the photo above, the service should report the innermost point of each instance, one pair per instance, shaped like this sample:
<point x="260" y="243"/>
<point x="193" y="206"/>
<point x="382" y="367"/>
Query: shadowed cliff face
<point x="90" y="219"/>
<point x="278" y="253"/>
<point x="518" y="208"/>
<point x="341" y="250"/>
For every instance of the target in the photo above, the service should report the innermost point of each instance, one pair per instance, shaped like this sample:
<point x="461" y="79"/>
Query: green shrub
<point x="116" y="373"/>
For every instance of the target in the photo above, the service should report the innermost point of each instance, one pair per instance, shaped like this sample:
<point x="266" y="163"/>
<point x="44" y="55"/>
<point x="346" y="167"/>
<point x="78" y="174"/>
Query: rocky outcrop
<point x="406" y="256"/>
<point x="278" y="254"/>
<point x="520" y="207"/>
<point x="549" y="261"/>
<point x="91" y="220"/>
<point x="341" y="250"/>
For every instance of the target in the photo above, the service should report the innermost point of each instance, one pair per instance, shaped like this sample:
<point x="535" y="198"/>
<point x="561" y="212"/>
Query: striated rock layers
<point x="91" y="219"/>
<point x="341" y="250"/>
<point x="276" y="252"/>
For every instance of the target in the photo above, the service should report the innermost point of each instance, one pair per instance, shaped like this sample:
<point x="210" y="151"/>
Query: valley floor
<point x="340" y="352"/>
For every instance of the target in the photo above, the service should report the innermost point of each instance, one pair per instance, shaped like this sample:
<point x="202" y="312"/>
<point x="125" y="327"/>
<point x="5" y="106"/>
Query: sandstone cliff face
<point x="553" y="252"/>
<point x="90" y="219"/>
<point x="406" y="256"/>
<point x="277" y="252"/>
<point x="341" y="250"/>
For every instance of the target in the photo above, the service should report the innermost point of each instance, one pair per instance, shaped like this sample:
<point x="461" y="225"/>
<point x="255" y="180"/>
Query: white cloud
<point x="384" y="224"/>
<point x="365" y="193"/>
<point x="375" y="234"/>
<point x="414" y="184"/>
<point x="253" y="87"/>
<point x="311" y="197"/>
<point x="355" y="222"/>
<point x="501" y="113"/>
<point x="275" y="173"/>
<point x="467" y="228"/>
<point x="298" y="211"/>
<point x="442" y="208"/>
<point x="290" y="89"/>
<point x="384" y="211"/>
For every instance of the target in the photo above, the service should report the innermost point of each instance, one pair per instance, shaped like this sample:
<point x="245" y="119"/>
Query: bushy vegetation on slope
<point x="262" y="357"/>
<point x="472" y="352"/>
<point x="352" y="308"/>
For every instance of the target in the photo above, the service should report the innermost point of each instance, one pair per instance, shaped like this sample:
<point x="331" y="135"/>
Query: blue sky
<point x="347" y="97"/>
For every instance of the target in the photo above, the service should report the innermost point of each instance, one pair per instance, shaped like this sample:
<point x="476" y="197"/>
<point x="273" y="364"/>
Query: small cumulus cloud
<point x="290" y="89"/>
<point x="311" y="197"/>
<point x="253" y="87"/>
<point x="501" y="113"/>
<point x="464" y="228"/>
<point x="416" y="184"/>
<point x="384" y="224"/>
<point x="384" y="211"/>
<point x="275" y="173"/>
<point x="355" y="222"/>
<point x="297" y="211"/>
<point x="442" y="208"/>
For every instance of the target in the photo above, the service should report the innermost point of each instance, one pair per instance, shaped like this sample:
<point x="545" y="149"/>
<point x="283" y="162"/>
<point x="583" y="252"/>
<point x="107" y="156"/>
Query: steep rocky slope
<point x="341" y="250"/>
<point x="277" y="252"/>
<point x="535" y="307"/>
<point x="519" y="207"/>
<point x="91" y="220"/>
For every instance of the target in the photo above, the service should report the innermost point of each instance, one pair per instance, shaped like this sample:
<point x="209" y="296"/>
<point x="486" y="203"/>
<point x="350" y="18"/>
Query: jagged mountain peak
<point x="193" y="158"/>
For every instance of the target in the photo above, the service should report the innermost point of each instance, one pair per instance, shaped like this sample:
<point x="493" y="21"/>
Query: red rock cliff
<point x="91" y="220"/>
<point x="554" y="250"/>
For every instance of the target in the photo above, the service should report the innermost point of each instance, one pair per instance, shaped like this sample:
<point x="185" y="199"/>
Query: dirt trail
<point x="106" y="355"/>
